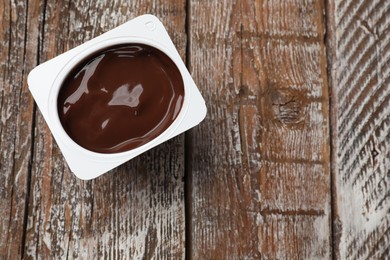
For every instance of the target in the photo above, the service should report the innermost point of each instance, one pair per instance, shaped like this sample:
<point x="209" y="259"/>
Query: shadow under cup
<point x="120" y="98"/>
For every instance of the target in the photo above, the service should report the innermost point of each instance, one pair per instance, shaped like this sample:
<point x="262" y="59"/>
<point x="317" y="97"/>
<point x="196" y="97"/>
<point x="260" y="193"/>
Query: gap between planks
<point x="188" y="138"/>
<point x="328" y="41"/>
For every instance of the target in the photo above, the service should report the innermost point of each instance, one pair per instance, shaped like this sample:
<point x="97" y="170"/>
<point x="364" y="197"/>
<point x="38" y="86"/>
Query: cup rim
<point x="101" y="45"/>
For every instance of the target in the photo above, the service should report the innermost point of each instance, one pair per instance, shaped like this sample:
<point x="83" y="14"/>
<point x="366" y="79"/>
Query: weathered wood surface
<point x="260" y="176"/>
<point x="18" y="55"/>
<point x="359" y="51"/>
<point x="137" y="210"/>
<point x="254" y="179"/>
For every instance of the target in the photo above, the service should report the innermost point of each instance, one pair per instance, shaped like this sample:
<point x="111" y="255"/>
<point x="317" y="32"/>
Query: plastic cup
<point x="46" y="80"/>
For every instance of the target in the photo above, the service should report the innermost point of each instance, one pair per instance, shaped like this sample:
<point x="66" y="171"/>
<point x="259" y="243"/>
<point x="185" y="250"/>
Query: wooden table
<point x="292" y="161"/>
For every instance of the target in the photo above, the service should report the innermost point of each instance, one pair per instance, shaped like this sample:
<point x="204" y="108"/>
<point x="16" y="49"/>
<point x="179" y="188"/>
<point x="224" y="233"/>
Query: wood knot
<point x="287" y="106"/>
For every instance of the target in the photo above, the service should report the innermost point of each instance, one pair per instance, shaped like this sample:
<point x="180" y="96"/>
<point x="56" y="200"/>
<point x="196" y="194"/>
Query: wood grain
<point x="256" y="171"/>
<point x="359" y="40"/>
<point x="18" y="55"/>
<point x="260" y="161"/>
<point x="137" y="210"/>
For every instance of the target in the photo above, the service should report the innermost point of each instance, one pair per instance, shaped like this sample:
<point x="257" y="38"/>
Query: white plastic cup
<point x="46" y="80"/>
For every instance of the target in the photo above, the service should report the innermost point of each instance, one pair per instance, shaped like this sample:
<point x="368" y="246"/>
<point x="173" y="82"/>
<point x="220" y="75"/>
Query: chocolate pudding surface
<point x="120" y="98"/>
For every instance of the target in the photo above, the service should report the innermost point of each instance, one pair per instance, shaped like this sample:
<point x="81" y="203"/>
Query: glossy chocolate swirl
<point x="120" y="98"/>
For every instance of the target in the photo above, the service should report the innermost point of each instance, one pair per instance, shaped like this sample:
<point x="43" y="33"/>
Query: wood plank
<point x="260" y="162"/>
<point x="18" y="55"/>
<point x="137" y="210"/>
<point x="359" y="45"/>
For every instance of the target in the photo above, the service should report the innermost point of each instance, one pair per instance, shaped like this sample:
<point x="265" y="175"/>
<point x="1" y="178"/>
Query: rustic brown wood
<point x="18" y="55"/>
<point x="137" y="210"/>
<point x="257" y="170"/>
<point x="260" y="161"/>
<point x="359" y="45"/>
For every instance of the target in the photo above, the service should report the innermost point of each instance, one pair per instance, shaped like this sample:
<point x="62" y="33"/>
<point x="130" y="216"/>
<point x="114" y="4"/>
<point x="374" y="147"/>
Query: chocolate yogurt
<point x="120" y="98"/>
